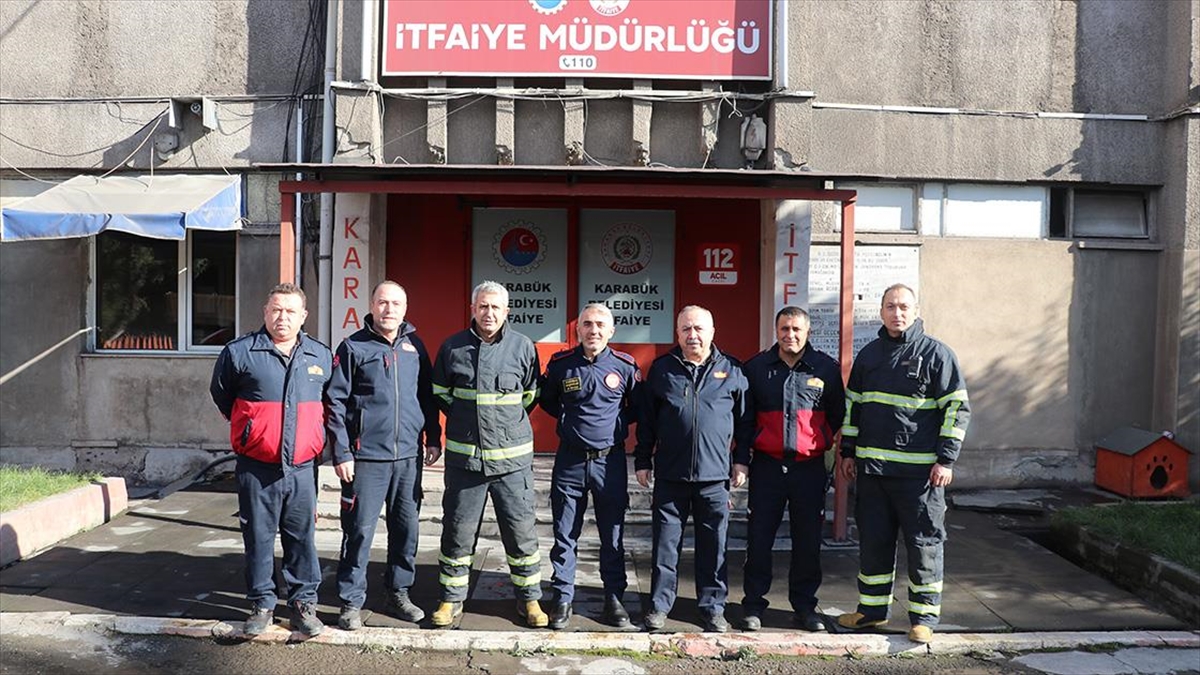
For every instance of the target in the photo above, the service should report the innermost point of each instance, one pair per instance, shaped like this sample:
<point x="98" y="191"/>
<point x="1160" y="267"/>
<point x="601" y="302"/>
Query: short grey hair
<point x="694" y="308"/>
<point x="596" y="307"/>
<point x="490" y="288"/>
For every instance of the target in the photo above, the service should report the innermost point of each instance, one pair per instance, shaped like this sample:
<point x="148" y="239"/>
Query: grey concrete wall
<point x="1099" y="56"/>
<point x="131" y="401"/>
<point x="41" y="302"/>
<point x="96" y="50"/>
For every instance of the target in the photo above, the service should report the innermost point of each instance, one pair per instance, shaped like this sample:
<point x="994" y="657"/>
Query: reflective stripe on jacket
<point x="273" y="403"/>
<point x="906" y="405"/>
<point x="486" y="391"/>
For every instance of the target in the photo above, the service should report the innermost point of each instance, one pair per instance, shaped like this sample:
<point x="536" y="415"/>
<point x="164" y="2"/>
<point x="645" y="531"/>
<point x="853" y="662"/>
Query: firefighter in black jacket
<point x="380" y="404"/>
<point x="692" y="404"/>
<point x="796" y="402"/>
<point x="906" y="417"/>
<point x="485" y="380"/>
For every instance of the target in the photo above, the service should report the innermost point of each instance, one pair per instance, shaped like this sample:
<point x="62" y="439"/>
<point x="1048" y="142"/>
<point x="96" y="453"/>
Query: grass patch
<point x="1170" y="530"/>
<point x="22" y="485"/>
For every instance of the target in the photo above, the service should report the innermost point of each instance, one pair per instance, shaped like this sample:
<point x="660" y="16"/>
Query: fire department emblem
<point x="609" y="7"/>
<point x="519" y="247"/>
<point x="612" y="380"/>
<point x="548" y="7"/>
<point x="626" y="249"/>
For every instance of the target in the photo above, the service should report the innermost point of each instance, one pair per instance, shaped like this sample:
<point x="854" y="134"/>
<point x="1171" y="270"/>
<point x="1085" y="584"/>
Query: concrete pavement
<point x="174" y="565"/>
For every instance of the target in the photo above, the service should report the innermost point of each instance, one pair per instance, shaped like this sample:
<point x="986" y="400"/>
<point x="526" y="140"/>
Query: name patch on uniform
<point x="571" y="384"/>
<point x="613" y="380"/>
<point x="720" y="374"/>
<point x="315" y="370"/>
<point x="816" y="382"/>
<point x="407" y="346"/>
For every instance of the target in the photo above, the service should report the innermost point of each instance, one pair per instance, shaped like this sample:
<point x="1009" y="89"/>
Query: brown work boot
<point x="921" y="634"/>
<point x="531" y="611"/>
<point x="446" y="613"/>
<point x="857" y="621"/>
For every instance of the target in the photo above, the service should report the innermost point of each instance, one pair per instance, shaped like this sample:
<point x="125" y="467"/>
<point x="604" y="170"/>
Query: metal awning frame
<point x="579" y="182"/>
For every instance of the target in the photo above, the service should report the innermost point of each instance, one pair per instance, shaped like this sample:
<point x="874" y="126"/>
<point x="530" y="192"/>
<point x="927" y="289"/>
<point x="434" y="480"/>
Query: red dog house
<point x="1137" y="463"/>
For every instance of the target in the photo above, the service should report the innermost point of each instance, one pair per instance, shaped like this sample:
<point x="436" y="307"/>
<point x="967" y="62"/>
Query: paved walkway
<point x="179" y="559"/>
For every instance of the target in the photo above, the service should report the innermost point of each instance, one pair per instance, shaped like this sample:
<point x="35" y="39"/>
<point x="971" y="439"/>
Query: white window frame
<point x="183" y="331"/>
<point x="912" y="227"/>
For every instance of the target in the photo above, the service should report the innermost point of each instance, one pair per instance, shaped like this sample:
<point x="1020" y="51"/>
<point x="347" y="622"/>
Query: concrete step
<point x="637" y="518"/>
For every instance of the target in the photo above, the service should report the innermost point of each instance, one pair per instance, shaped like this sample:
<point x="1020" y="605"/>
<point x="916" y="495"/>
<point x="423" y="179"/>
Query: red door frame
<point x="559" y="188"/>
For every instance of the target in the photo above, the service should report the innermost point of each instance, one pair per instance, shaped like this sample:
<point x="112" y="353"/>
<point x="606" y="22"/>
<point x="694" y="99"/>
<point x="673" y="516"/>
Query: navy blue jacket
<point x="590" y="399"/>
<point x="380" y="399"/>
<point x="906" y="405"/>
<point x="688" y="416"/>
<point x="272" y="402"/>
<point x="796" y="411"/>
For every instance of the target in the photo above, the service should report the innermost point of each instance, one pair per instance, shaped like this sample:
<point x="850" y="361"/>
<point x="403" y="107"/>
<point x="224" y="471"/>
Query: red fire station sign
<point x="697" y="39"/>
<point x="718" y="264"/>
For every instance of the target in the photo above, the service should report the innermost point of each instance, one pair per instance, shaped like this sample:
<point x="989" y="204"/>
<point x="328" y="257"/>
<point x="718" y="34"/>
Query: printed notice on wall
<point x="875" y="268"/>
<point x="627" y="261"/>
<point x="351" y="297"/>
<point x="526" y="250"/>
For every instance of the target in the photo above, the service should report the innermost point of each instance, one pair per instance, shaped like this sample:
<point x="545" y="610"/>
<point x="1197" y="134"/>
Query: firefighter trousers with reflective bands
<point x="396" y="486"/>
<point x="607" y="480"/>
<point x="272" y="499"/>
<point x="462" y="504"/>
<point x="886" y="505"/>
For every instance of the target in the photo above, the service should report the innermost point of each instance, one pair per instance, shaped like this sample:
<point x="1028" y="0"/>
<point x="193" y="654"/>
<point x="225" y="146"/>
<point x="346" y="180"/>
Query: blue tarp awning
<point x="162" y="207"/>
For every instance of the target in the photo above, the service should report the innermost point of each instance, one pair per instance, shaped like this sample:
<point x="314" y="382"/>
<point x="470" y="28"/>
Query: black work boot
<point x="615" y="614"/>
<point x="304" y="618"/>
<point x="259" y="621"/>
<point x="560" y="616"/>
<point x="399" y="606"/>
<point x="350" y="618"/>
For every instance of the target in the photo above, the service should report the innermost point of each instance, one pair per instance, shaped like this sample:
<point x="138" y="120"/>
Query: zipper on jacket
<point x="396" y="404"/>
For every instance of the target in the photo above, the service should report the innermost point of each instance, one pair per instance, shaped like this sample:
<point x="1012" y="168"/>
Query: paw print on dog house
<point x="1137" y="463"/>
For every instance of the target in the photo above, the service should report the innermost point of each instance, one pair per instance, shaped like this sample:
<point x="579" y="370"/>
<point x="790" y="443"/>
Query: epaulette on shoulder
<point x="562" y="355"/>
<point x="627" y="358"/>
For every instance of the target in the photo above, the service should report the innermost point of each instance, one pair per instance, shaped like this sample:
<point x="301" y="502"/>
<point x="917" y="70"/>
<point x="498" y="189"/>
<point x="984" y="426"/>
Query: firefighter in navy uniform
<point x="797" y="401"/>
<point x="589" y="390"/>
<point x="269" y="385"/>
<point x="380" y="404"/>
<point x="906" y="417"/>
<point x="485" y="380"/>
<point x="692" y="405"/>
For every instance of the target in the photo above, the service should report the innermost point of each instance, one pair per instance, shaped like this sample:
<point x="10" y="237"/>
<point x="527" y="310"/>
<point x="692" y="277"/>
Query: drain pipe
<point x="325" y="250"/>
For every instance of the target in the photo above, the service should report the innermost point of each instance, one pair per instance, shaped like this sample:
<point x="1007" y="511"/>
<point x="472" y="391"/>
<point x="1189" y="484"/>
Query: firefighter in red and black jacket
<point x="796" y="401"/>
<point x="269" y="384"/>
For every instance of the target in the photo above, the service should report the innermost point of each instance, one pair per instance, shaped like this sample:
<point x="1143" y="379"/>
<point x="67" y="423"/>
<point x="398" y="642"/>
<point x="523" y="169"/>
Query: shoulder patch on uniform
<point x="627" y="358"/>
<point x="337" y="359"/>
<point x="612" y="380"/>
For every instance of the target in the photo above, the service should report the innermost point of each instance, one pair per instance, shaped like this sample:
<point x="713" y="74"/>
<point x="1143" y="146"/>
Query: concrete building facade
<point x="1031" y="166"/>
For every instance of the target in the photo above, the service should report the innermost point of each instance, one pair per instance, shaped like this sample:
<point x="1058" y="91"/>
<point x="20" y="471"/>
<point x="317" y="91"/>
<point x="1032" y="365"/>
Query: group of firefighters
<point x="706" y="423"/>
